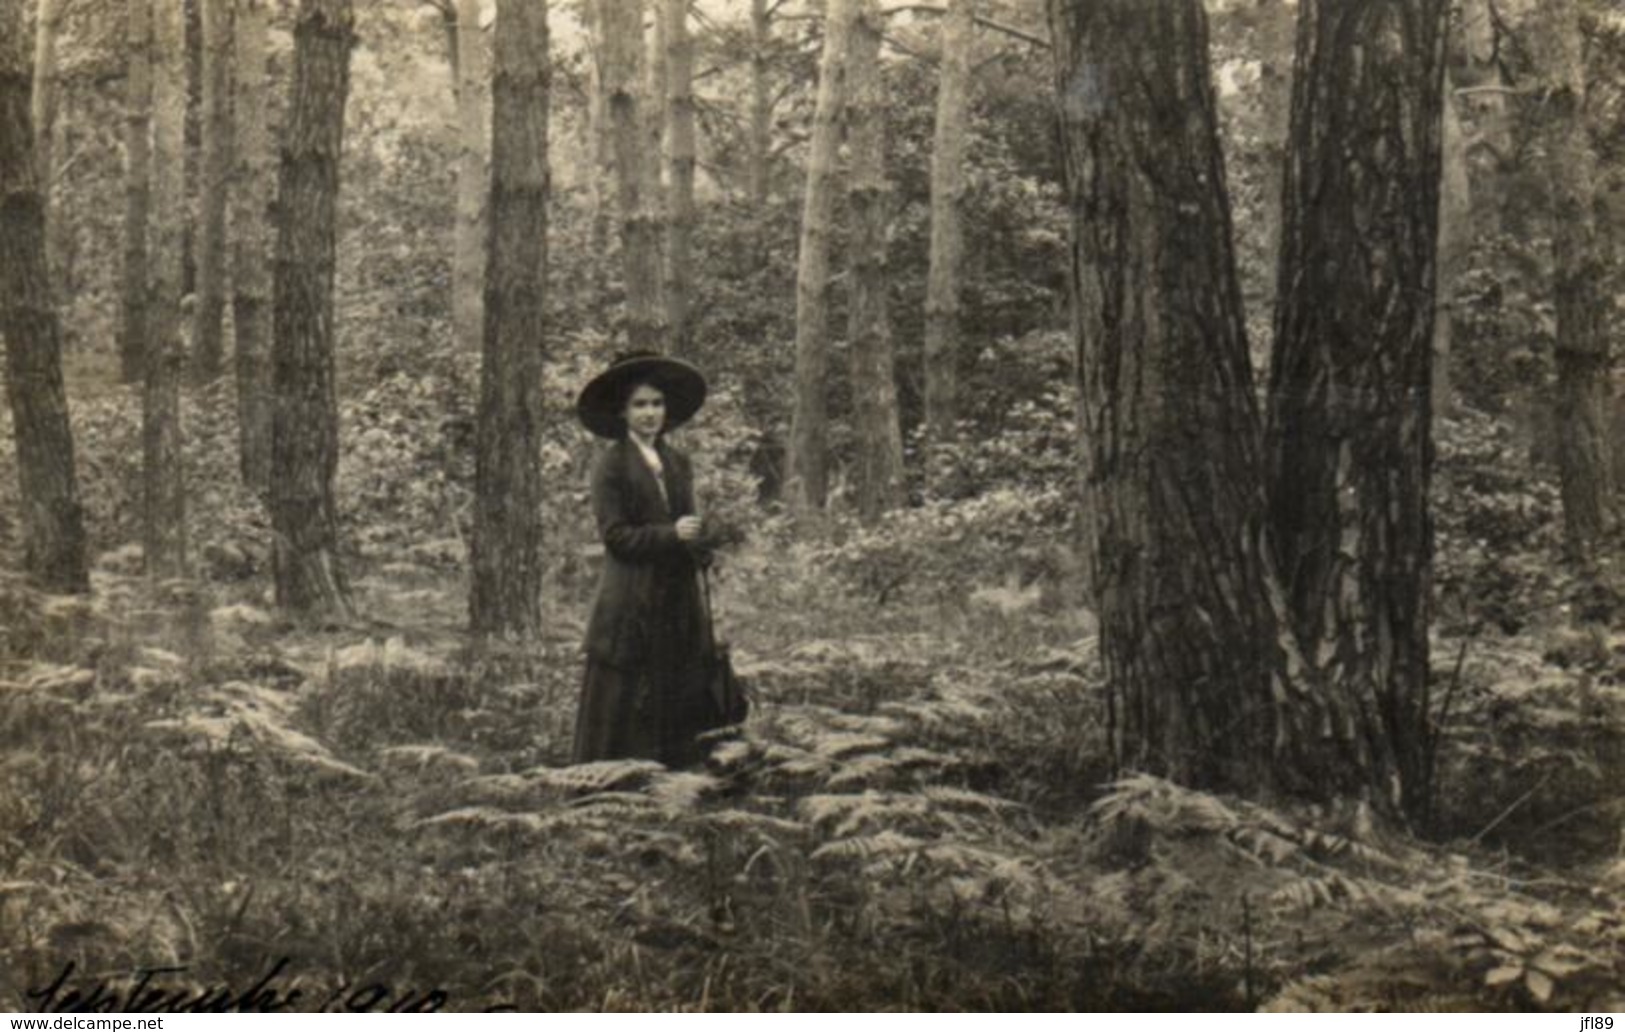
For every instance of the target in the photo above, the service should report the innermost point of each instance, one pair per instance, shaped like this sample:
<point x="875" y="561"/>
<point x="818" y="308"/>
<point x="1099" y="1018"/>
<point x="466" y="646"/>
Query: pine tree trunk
<point x="47" y="91"/>
<point x="133" y="315"/>
<point x="251" y="244"/>
<point x="947" y="233"/>
<point x="1584" y="363"/>
<point x="53" y="529"/>
<point x="761" y="110"/>
<point x="1455" y="209"/>
<point x="1277" y="20"/>
<point x="1204" y="682"/>
<point x="622" y="21"/>
<point x="878" y="459"/>
<point x="601" y="143"/>
<point x="163" y="478"/>
<point x="473" y="121"/>
<point x="506" y="550"/>
<point x="208" y="332"/>
<point x="652" y="105"/>
<point x="304" y="434"/>
<point x="807" y="465"/>
<point x="1351" y="449"/>
<point x="680" y="149"/>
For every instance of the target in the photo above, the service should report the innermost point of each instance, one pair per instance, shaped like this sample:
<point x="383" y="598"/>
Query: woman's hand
<point x="688" y="528"/>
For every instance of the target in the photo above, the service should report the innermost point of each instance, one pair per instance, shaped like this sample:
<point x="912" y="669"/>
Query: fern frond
<point x="886" y="843"/>
<point x="598" y="776"/>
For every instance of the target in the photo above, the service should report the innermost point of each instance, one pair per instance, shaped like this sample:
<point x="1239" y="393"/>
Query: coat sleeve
<point x="624" y="538"/>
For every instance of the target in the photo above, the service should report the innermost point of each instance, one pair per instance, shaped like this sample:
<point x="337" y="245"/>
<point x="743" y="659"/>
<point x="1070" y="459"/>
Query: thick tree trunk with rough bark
<point x="133" y="314"/>
<point x="1205" y="683"/>
<point x="679" y="108"/>
<point x="304" y="434"/>
<point x="52" y="521"/>
<point x="877" y="462"/>
<point x="506" y="550"/>
<point x="215" y="166"/>
<point x="251" y="195"/>
<point x="947" y="221"/>
<point x="761" y="109"/>
<point x="622" y="22"/>
<point x="163" y="478"/>
<point x="1350" y="435"/>
<point x="807" y="464"/>
<point x="468" y="245"/>
<point x="1584" y="362"/>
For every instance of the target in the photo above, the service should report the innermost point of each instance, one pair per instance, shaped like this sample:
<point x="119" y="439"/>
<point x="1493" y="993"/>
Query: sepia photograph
<point x="812" y="506"/>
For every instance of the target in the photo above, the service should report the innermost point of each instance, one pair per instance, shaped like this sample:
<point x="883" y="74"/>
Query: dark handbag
<point x="730" y="695"/>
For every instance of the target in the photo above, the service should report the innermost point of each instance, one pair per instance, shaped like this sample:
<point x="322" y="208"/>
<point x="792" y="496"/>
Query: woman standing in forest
<point x="645" y="693"/>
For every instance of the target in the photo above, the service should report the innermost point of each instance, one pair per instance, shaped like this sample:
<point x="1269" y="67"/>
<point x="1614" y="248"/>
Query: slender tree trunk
<point x="133" y="315"/>
<point x="208" y="332"/>
<point x="1205" y="683"/>
<point x="807" y="472"/>
<point x="47" y="90"/>
<point x="1584" y="362"/>
<point x="878" y="459"/>
<point x="304" y="434"/>
<point x="251" y="244"/>
<point x="622" y="22"/>
<point x="761" y="109"/>
<point x="1277" y="22"/>
<point x="163" y="477"/>
<point x="601" y="143"/>
<point x="468" y="248"/>
<point x="652" y="106"/>
<point x="1351" y="449"/>
<point x="506" y="551"/>
<point x="44" y="98"/>
<point x="680" y="174"/>
<point x="1455" y="208"/>
<point x="53" y="529"/>
<point x="947" y="215"/>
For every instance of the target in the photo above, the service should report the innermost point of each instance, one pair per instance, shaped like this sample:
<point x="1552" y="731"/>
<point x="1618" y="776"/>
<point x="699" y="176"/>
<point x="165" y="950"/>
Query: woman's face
<point x="645" y="410"/>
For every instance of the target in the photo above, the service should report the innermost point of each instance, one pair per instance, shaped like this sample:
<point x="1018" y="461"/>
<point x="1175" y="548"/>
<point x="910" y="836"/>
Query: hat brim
<point x="600" y="402"/>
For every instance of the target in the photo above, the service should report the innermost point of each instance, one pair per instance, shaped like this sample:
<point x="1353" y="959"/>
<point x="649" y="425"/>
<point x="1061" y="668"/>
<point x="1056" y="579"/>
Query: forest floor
<point x="919" y="813"/>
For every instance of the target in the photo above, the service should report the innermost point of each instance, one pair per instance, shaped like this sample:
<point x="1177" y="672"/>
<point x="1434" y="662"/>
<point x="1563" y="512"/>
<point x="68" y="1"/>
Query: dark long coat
<point x="644" y="693"/>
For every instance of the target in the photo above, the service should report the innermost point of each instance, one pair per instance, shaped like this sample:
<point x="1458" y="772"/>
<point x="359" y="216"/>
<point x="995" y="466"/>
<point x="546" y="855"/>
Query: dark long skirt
<point x="654" y="713"/>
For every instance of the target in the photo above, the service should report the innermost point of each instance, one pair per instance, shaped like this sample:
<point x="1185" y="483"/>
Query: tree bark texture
<point x="46" y="97"/>
<point x="304" y="434"/>
<point x="622" y="22"/>
<point x="133" y="314"/>
<point x="1205" y="684"/>
<point x="877" y="461"/>
<point x="213" y="196"/>
<point x="52" y="520"/>
<point x="473" y="121"/>
<point x="761" y="108"/>
<point x="1351" y="450"/>
<point x="679" y="107"/>
<point x="947" y="223"/>
<point x="251" y="196"/>
<point x="1455" y="211"/>
<point x="652" y="106"/>
<point x="602" y="144"/>
<point x="507" y="543"/>
<point x="807" y="465"/>
<point x="1584" y="362"/>
<point x="163" y="477"/>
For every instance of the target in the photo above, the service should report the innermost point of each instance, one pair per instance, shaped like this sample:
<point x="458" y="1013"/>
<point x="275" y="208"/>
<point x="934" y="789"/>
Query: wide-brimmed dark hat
<point x="600" y="404"/>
